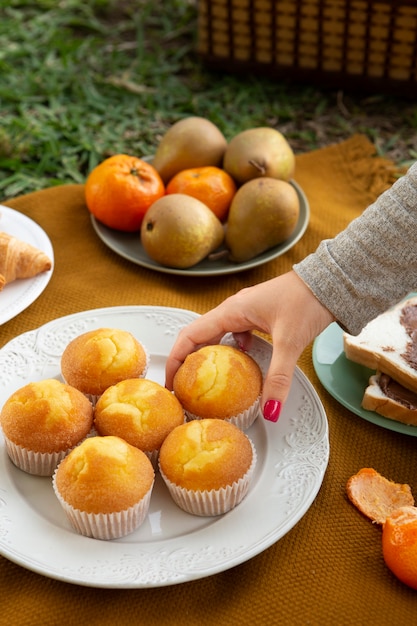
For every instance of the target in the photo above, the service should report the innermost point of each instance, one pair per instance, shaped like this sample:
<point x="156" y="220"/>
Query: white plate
<point x="171" y="546"/>
<point x="128" y="246"/>
<point x="18" y="295"/>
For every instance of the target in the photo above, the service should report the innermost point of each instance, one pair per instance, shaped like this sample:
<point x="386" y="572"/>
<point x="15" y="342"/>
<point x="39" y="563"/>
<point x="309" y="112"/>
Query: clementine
<point x="120" y="190"/>
<point x="399" y="544"/>
<point x="209" y="184"/>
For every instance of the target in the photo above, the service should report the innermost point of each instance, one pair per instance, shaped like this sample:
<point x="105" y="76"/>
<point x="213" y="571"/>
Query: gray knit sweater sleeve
<point x="372" y="264"/>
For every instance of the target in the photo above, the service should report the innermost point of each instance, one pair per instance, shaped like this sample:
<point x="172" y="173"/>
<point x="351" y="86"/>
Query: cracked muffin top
<point x="104" y="475"/>
<point x="46" y="416"/>
<point x="99" y="358"/>
<point x="205" y="454"/>
<point x="140" y="411"/>
<point x="218" y="381"/>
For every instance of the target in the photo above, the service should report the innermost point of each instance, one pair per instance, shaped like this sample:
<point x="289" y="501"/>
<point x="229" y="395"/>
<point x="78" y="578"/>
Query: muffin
<point x="104" y="486"/>
<point x="41" y="422"/>
<point x="219" y="382"/>
<point x="100" y="358"/>
<point x="140" y="411"/>
<point x="207" y="466"/>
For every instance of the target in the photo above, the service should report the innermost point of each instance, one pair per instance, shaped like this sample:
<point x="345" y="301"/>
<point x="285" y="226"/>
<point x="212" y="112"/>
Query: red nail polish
<point x="272" y="409"/>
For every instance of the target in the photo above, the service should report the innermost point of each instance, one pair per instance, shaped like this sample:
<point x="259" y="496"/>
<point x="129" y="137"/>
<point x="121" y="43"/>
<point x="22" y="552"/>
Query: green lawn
<point x="81" y="80"/>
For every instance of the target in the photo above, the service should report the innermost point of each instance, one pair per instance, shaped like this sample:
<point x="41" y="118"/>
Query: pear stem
<point x="220" y="254"/>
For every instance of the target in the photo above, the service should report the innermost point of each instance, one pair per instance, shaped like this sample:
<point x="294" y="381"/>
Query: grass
<point x="80" y="81"/>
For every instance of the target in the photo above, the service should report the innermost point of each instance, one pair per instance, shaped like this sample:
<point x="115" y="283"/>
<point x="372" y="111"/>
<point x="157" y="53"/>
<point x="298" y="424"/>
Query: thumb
<point x="277" y="382"/>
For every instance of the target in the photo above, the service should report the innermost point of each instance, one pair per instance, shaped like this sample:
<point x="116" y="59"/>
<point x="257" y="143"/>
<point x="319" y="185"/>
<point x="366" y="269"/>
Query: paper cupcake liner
<point x="216" y="501"/>
<point x="242" y="420"/>
<point x="36" y="463"/>
<point x="105" y="526"/>
<point x="153" y="456"/>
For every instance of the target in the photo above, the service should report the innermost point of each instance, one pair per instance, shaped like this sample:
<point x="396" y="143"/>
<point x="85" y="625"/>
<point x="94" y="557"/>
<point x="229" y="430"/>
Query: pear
<point x="258" y="152"/>
<point x="191" y="142"/>
<point x="264" y="213"/>
<point x="179" y="231"/>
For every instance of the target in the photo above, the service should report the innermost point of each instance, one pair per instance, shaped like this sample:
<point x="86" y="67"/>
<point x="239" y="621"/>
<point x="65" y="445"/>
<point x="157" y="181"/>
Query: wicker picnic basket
<point x="347" y="44"/>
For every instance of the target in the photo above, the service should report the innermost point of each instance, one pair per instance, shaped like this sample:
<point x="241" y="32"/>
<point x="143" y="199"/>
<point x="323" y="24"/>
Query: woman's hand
<point x="283" y="307"/>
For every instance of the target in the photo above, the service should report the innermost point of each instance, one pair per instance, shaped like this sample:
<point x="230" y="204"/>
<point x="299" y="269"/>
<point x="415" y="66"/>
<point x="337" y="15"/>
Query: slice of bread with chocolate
<point x="390" y="399"/>
<point x="388" y="344"/>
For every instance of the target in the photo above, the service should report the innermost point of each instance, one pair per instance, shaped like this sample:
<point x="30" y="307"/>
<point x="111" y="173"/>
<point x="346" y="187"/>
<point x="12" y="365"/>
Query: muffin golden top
<point x="104" y="475"/>
<point x="99" y="358"/>
<point x="140" y="411"/>
<point x="46" y="416"/>
<point x="218" y="381"/>
<point x="205" y="454"/>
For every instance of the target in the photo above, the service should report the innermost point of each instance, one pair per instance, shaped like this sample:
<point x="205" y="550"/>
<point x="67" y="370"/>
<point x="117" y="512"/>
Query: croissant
<point x="19" y="259"/>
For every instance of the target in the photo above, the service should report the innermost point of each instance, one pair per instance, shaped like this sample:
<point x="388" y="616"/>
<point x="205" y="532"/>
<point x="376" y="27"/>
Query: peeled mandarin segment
<point x="376" y="496"/>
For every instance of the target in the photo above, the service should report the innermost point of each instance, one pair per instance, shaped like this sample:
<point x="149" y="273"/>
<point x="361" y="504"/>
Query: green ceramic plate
<point x="346" y="381"/>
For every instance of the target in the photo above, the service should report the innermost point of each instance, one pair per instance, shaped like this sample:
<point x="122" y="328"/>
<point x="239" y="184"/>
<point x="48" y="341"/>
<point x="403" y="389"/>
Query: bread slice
<point x="387" y="398"/>
<point x="383" y="343"/>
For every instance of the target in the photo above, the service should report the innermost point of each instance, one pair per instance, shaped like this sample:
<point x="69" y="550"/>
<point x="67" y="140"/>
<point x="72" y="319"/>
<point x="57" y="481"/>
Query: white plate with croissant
<point x="26" y="262"/>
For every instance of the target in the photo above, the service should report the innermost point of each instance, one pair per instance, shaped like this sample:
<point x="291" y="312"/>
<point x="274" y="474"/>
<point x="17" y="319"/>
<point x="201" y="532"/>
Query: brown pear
<point x="191" y="142"/>
<point x="179" y="231"/>
<point x="259" y="152"/>
<point x="264" y="213"/>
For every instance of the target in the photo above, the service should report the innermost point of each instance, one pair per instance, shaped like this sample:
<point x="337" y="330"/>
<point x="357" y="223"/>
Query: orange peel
<point x="376" y="496"/>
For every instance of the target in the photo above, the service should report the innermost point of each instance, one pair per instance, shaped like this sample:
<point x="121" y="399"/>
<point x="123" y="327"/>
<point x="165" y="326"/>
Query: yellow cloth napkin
<point x="328" y="569"/>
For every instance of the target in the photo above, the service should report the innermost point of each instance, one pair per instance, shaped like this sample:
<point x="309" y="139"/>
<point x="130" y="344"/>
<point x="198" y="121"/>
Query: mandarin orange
<point x="120" y="190"/>
<point x="209" y="184"/>
<point x="399" y="544"/>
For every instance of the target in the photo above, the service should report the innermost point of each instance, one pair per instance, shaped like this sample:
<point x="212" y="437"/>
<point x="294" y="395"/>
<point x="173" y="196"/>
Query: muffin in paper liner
<point x="94" y="397"/>
<point x="140" y="411"/>
<point x="215" y="501"/>
<point x="242" y="420"/>
<point x="41" y="423"/>
<point x="36" y="463"/>
<point x="219" y="381"/>
<point x="105" y="526"/>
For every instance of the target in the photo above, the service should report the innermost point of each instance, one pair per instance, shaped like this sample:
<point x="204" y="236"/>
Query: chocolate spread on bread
<point x="397" y="392"/>
<point x="390" y="387"/>
<point x="408" y="319"/>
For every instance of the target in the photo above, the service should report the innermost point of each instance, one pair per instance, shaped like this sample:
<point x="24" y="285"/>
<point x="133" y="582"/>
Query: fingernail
<point x="241" y="346"/>
<point x="272" y="409"/>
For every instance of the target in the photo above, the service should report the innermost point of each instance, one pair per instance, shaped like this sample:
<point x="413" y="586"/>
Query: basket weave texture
<point x="356" y="43"/>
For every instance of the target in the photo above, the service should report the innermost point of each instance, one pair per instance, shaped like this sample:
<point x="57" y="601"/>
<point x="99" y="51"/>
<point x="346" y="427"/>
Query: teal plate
<point x="345" y="380"/>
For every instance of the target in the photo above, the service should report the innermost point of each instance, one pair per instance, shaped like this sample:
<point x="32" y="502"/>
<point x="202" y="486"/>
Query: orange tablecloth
<point x="328" y="569"/>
